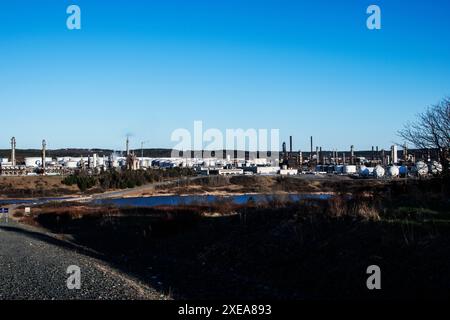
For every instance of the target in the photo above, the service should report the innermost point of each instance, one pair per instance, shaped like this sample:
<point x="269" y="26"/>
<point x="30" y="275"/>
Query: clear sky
<point x="147" y="68"/>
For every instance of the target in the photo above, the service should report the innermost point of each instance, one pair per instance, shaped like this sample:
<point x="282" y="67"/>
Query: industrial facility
<point x="375" y="163"/>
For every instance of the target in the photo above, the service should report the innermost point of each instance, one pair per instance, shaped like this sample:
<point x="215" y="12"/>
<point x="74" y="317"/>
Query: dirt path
<point x="33" y="265"/>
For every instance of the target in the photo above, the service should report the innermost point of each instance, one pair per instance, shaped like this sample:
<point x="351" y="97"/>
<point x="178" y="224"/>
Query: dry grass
<point x="34" y="186"/>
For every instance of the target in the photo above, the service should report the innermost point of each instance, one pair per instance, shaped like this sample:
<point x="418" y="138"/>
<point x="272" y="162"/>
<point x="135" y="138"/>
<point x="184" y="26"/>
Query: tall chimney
<point x="320" y="155"/>
<point x="311" y="152"/>
<point x="352" y="155"/>
<point x="127" y="146"/>
<point x="44" y="146"/>
<point x="13" y="151"/>
<point x="290" y="145"/>
<point x="317" y="154"/>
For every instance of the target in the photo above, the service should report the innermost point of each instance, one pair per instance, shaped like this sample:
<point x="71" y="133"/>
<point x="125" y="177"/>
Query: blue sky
<point x="150" y="67"/>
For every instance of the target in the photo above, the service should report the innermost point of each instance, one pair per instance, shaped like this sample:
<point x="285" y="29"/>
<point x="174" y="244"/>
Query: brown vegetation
<point x="34" y="187"/>
<point x="307" y="249"/>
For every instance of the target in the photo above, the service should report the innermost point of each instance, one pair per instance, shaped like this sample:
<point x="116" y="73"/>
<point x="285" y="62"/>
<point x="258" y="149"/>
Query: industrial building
<point x="375" y="163"/>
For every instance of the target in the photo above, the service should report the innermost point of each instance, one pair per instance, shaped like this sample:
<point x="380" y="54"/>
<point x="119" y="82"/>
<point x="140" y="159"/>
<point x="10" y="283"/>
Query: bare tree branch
<point x="431" y="130"/>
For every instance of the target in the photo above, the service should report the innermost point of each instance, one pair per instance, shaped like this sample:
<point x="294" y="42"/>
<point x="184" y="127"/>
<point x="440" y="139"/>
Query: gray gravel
<point x="33" y="266"/>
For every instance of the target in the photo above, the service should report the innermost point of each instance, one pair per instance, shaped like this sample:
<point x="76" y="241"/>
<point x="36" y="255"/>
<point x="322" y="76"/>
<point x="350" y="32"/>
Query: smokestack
<point x="44" y="146"/>
<point x="352" y="155"/>
<point x="311" y="152"/>
<point x="317" y="154"/>
<point x="290" y="145"/>
<point x="394" y="154"/>
<point x="13" y="151"/>
<point x="127" y="146"/>
<point x="373" y="154"/>
<point x="320" y="155"/>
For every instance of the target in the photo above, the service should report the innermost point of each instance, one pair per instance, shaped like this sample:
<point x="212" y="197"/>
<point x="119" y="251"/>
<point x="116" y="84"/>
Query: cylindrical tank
<point x="33" y="161"/>
<point x="71" y="164"/>
<point x="350" y="169"/>
<point x="393" y="171"/>
<point x="421" y="168"/>
<point x="364" y="171"/>
<point x="435" y="167"/>
<point x="378" y="172"/>
<point x="101" y="161"/>
<point x="403" y="170"/>
<point x="339" y="168"/>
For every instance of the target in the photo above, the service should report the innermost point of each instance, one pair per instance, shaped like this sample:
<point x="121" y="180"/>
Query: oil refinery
<point x="376" y="163"/>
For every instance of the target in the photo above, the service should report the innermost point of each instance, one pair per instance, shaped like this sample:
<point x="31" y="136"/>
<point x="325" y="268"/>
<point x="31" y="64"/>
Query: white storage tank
<point x="421" y="168"/>
<point x="393" y="171"/>
<point x="101" y="161"/>
<point x="267" y="170"/>
<point x="350" y="169"/>
<point x="145" y="163"/>
<point x="435" y="167"/>
<point x="378" y="172"/>
<point x="33" y="162"/>
<point x="71" y="164"/>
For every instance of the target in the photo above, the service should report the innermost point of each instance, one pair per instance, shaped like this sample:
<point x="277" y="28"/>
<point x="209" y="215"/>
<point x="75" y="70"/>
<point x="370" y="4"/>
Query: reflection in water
<point x="192" y="199"/>
<point x="179" y="200"/>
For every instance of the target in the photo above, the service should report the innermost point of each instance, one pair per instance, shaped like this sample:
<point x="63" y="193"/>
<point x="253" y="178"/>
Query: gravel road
<point x="33" y="265"/>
